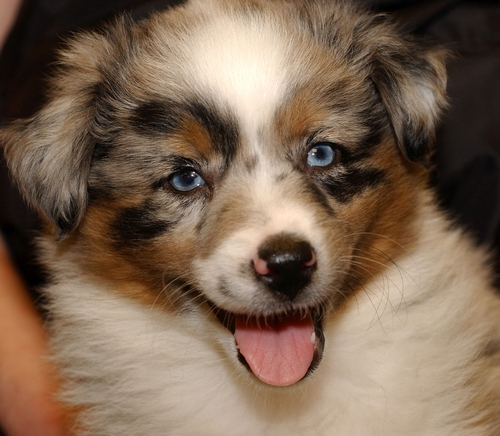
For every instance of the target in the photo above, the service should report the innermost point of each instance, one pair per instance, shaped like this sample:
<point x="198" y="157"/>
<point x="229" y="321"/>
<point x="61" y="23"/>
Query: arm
<point x="27" y="381"/>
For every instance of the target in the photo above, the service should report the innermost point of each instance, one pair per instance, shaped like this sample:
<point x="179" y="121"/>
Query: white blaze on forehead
<point x="241" y="63"/>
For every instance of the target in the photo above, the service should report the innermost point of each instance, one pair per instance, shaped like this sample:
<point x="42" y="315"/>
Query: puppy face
<point x="252" y="162"/>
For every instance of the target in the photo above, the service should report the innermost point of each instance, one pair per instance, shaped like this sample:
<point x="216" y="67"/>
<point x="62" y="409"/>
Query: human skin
<point x="8" y="12"/>
<point x="27" y="379"/>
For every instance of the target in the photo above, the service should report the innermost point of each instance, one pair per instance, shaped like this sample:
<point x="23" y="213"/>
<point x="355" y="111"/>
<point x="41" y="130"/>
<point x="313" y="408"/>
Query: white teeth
<point x="313" y="338"/>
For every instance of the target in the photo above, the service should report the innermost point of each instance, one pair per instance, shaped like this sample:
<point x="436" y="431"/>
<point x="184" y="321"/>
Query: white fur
<point x="241" y="68"/>
<point x="394" y="362"/>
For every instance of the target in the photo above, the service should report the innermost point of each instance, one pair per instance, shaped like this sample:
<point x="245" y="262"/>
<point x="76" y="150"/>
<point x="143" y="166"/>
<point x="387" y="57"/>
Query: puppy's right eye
<point x="186" y="180"/>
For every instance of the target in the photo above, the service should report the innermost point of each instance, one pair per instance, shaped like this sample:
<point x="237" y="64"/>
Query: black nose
<point x="285" y="263"/>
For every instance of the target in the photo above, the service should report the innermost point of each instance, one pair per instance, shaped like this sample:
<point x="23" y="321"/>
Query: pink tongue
<point x="280" y="352"/>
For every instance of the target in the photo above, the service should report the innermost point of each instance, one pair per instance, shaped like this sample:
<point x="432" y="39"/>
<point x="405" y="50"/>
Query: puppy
<point x="240" y="233"/>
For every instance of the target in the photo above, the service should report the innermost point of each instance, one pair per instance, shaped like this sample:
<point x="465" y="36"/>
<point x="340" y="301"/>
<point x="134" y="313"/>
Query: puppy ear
<point x="49" y="159"/>
<point x="412" y="84"/>
<point x="410" y="80"/>
<point x="49" y="155"/>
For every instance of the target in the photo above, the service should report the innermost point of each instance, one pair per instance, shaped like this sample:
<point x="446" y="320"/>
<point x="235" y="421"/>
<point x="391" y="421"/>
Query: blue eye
<point x="321" y="155"/>
<point x="186" y="180"/>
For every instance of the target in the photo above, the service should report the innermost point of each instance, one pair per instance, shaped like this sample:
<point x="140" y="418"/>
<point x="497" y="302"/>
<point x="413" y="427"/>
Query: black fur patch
<point x="138" y="224"/>
<point x="355" y="181"/>
<point x="366" y="145"/>
<point x="416" y="144"/>
<point x="101" y="151"/>
<point x="319" y="196"/>
<point x="67" y="222"/>
<point x="223" y="130"/>
<point x="101" y="192"/>
<point x="156" y="118"/>
<point x="369" y="142"/>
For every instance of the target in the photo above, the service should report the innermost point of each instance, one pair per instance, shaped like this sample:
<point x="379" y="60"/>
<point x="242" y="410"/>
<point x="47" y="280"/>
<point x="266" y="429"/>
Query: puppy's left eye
<point x="186" y="180"/>
<point x="321" y="154"/>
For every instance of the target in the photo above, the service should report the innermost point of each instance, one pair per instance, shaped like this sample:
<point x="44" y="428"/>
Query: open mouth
<point x="281" y="349"/>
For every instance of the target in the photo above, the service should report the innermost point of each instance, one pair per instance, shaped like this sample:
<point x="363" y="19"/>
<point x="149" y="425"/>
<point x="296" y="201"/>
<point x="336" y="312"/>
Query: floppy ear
<point x="49" y="155"/>
<point x="412" y="84"/>
<point x="49" y="159"/>
<point x="410" y="80"/>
